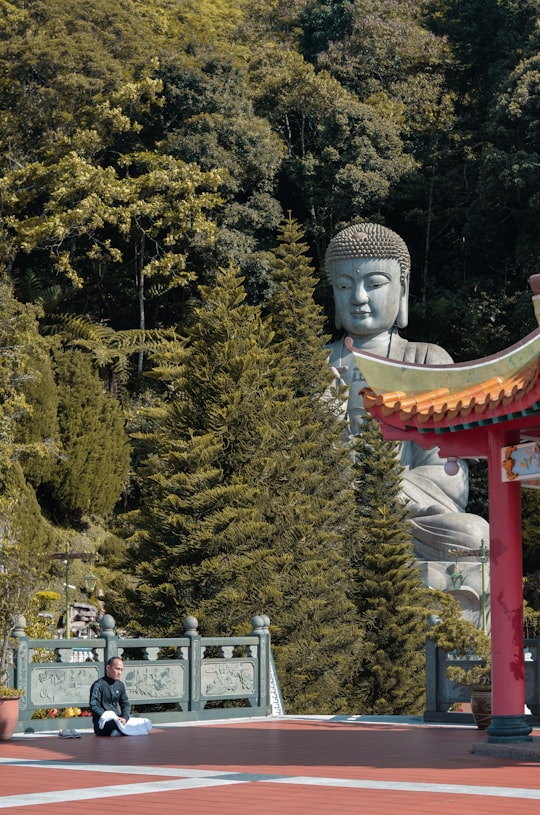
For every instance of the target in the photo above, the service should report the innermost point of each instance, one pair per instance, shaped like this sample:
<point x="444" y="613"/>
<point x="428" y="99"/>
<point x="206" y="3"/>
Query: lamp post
<point x="483" y="557"/>
<point x="67" y="557"/>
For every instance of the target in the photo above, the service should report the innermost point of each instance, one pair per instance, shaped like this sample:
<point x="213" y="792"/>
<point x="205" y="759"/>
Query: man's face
<point x="115" y="669"/>
<point x="367" y="294"/>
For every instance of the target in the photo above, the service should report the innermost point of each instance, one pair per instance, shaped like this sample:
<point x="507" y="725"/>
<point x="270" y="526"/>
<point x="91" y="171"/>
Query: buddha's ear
<point x="337" y="321"/>
<point x="402" y="319"/>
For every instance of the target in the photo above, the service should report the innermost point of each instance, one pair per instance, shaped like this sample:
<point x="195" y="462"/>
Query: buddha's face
<point x="367" y="294"/>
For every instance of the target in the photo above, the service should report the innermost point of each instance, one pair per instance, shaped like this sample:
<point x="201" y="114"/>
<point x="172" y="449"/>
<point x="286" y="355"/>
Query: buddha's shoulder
<point x="420" y="353"/>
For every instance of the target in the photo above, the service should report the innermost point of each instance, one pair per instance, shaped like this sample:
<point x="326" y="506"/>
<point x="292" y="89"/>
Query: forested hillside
<point x="143" y="144"/>
<point x="171" y="172"/>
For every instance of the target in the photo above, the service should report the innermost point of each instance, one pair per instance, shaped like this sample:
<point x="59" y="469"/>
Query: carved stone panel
<point x="151" y="683"/>
<point x="227" y="678"/>
<point x="61" y="686"/>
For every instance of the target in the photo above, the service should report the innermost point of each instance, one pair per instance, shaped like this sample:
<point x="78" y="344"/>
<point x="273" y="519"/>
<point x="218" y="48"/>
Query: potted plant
<point x="468" y="644"/>
<point x="475" y="674"/>
<point x="13" y="588"/>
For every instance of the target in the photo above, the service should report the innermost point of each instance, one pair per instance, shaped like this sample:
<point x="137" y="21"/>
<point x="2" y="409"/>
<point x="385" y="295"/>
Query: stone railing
<point x="172" y="680"/>
<point x="442" y="694"/>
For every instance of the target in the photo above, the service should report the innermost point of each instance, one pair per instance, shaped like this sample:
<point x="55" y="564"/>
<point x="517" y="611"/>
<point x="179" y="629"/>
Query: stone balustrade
<point x="442" y="694"/>
<point x="172" y="679"/>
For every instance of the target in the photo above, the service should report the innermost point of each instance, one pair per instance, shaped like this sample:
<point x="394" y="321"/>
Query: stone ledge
<point x="520" y="751"/>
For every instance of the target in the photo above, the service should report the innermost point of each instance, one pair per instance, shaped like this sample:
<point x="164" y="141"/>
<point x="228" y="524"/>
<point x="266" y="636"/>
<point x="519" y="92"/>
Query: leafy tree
<point x="324" y="22"/>
<point x="105" y="226"/>
<point x="111" y="351"/>
<point x="25" y="537"/>
<point x="238" y="511"/>
<point x="388" y="590"/>
<point x="342" y="156"/>
<point x="93" y="461"/>
<point x="505" y="212"/>
<point x="462" y="223"/>
<point x="36" y="428"/>
<point x="28" y="422"/>
<point x="22" y="555"/>
<point x="383" y="51"/>
<point x="454" y="634"/>
<point x="61" y="62"/>
<point x="487" y="39"/>
<point x="208" y="118"/>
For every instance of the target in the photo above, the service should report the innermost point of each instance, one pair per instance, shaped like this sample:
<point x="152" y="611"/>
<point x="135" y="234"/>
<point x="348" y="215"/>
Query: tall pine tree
<point x="239" y="513"/>
<point x="298" y="321"/>
<point x="388" y="588"/>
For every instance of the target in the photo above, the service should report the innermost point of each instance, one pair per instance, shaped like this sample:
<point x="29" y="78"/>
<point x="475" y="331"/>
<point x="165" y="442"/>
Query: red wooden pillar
<point x="508" y="671"/>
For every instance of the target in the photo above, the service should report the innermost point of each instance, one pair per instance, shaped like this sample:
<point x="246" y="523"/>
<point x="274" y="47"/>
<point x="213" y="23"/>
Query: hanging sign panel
<point x="521" y="462"/>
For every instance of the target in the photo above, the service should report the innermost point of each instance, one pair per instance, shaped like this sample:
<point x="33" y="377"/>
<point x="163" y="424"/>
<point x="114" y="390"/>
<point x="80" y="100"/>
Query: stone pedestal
<point x="464" y="582"/>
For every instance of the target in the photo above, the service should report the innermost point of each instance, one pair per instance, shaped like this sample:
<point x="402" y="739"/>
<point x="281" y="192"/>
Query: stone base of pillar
<point x="507" y="729"/>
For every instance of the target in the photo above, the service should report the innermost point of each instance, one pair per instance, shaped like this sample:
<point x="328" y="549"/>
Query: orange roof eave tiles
<point x="441" y="409"/>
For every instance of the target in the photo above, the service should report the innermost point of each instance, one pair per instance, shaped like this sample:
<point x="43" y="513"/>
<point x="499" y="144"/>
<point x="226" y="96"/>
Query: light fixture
<point x="451" y="466"/>
<point x="90" y="581"/>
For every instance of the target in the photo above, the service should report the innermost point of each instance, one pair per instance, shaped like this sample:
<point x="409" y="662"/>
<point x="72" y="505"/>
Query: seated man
<point x="110" y="706"/>
<point x="368" y="266"/>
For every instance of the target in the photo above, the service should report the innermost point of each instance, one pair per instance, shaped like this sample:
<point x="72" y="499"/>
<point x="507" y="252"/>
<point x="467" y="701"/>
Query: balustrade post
<point x="260" y="625"/>
<point x="108" y="633"/>
<point x="191" y="625"/>
<point x="20" y="671"/>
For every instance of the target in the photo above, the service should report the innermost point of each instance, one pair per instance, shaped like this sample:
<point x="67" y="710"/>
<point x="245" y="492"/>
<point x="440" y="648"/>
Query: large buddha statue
<point x="368" y="266"/>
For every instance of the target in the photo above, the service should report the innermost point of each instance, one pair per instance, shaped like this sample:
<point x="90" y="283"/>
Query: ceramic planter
<point x="9" y="716"/>
<point x="481" y="707"/>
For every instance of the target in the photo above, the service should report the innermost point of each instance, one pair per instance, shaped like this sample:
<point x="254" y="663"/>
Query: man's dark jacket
<point x="108" y="694"/>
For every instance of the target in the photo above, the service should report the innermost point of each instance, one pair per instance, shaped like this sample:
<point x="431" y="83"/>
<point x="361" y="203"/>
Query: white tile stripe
<point x="191" y="779"/>
<point x="114" y="791"/>
<point x="411" y="786"/>
<point x="123" y="769"/>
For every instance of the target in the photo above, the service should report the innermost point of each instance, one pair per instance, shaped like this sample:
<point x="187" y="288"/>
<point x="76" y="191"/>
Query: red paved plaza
<point x="289" y="766"/>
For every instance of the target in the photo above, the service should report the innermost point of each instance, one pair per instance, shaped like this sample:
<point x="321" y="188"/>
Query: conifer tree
<point x="387" y="585"/>
<point x="94" y="462"/>
<point x="298" y="321"/>
<point x="238" y="512"/>
<point x="25" y="536"/>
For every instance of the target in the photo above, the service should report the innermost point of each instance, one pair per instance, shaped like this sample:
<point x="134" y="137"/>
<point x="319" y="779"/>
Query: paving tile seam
<point x="199" y="779"/>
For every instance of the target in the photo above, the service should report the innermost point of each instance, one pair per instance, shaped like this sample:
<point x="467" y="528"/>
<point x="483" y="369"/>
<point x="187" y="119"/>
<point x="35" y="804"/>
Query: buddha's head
<point x="368" y="266"/>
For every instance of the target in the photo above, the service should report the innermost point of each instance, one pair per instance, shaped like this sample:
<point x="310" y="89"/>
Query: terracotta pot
<point x="9" y="716"/>
<point x="534" y="283"/>
<point x="481" y="707"/>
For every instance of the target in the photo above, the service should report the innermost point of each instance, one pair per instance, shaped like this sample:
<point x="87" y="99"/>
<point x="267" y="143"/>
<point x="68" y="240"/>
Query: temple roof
<point x="447" y="398"/>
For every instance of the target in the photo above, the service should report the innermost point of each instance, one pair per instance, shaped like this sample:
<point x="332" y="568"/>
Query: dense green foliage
<point x="145" y="145"/>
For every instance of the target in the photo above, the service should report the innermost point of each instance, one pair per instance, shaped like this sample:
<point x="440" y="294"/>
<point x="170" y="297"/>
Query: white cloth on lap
<point x="135" y="726"/>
